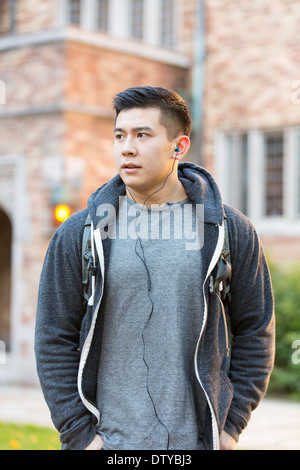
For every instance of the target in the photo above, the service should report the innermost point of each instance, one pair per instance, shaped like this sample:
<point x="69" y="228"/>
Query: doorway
<point x="5" y="278"/>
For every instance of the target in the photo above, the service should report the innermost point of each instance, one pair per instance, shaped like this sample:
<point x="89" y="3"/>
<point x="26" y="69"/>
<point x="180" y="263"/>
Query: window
<point x="274" y="174"/>
<point x="7" y="16"/>
<point x="74" y="11"/>
<point x="137" y="18"/>
<point x="244" y="175"/>
<point x="150" y="21"/>
<point x="237" y="167"/>
<point x="167" y="23"/>
<point x="102" y="20"/>
<point x="259" y="174"/>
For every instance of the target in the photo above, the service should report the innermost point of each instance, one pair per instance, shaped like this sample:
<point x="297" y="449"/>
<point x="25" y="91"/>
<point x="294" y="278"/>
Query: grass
<point x="27" y="437"/>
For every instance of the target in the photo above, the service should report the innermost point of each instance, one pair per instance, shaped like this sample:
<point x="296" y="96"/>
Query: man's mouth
<point x="130" y="167"/>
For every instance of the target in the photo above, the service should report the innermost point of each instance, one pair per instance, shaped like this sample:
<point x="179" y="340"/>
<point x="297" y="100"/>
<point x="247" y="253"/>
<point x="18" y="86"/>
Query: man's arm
<point x="59" y="316"/>
<point x="252" y="322"/>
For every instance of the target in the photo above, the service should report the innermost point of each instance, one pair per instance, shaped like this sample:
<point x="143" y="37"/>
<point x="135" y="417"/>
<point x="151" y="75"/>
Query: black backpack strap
<point x="88" y="268"/>
<point x="222" y="279"/>
<point x="226" y="297"/>
<point x="226" y="294"/>
<point x="221" y="283"/>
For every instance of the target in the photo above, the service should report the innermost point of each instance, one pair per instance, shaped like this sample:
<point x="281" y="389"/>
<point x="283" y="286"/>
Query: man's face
<point x="143" y="153"/>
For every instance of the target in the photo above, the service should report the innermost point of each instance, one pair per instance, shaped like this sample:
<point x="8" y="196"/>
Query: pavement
<point x="275" y="424"/>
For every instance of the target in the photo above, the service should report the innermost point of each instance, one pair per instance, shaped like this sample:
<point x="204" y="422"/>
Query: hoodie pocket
<point x="220" y="391"/>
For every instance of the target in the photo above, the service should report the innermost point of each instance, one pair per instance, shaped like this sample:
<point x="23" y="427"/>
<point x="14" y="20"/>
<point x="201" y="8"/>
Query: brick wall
<point x="33" y="76"/>
<point x="34" y="138"/>
<point x="30" y="16"/>
<point x="253" y="59"/>
<point x="187" y="24"/>
<point x="35" y="15"/>
<point x="94" y="74"/>
<point x="91" y="139"/>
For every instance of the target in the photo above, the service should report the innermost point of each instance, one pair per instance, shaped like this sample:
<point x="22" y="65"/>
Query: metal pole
<point x="13" y="5"/>
<point x="199" y="81"/>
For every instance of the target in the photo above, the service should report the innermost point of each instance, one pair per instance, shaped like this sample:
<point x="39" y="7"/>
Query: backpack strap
<point x="226" y="295"/>
<point x="88" y="268"/>
<point x="223" y="276"/>
<point x="221" y="283"/>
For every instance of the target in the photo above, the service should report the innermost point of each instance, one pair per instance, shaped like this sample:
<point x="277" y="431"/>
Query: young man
<point x="146" y="365"/>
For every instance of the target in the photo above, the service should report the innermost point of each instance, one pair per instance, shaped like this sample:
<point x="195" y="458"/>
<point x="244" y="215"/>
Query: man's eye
<point x="142" y="134"/>
<point x="118" y="136"/>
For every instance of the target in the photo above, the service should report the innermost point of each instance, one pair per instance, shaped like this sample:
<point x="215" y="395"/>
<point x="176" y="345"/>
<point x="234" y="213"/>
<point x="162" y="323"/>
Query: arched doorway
<point x="5" y="278"/>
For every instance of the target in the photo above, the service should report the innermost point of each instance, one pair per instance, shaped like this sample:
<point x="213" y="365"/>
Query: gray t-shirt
<point x="148" y="394"/>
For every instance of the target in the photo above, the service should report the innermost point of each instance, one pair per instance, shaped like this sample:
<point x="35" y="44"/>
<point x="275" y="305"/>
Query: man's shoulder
<point x="75" y="221"/>
<point x="237" y="219"/>
<point x="72" y="229"/>
<point x="241" y="231"/>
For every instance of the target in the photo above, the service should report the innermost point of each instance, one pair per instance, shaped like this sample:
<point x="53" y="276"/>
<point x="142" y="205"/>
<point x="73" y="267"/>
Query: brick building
<point x="61" y="63"/>
<point x="252" y="114"/>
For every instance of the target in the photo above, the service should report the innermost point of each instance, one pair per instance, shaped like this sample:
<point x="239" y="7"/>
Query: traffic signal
<point x="61" y="213"/>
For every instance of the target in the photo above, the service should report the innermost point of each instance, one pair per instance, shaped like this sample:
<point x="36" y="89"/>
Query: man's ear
<point x="182" y="145"/>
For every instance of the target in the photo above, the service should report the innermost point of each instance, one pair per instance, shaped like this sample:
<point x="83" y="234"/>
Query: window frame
<point x="79" y="13"/>
<point x="119" y="22"/>
<point x="172" y="33"/>
<point x="100" y="27"/>
<point x="287" y="224"/>
<point x="137" y="31"/>
<point x="271" y="166"/>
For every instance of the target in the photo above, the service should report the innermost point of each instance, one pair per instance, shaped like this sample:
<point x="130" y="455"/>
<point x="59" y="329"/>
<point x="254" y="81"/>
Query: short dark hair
<point x="175" y="114"/>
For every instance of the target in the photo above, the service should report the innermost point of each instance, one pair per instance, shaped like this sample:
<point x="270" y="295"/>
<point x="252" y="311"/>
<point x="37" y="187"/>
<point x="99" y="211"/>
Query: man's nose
<point x="129" y="147"/>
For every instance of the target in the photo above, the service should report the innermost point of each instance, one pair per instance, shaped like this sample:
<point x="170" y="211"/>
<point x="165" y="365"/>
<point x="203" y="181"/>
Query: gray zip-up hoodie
<point x="68" y="340"/>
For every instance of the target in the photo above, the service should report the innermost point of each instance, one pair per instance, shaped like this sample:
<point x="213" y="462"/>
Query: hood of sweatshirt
<point x="199" y="185"/>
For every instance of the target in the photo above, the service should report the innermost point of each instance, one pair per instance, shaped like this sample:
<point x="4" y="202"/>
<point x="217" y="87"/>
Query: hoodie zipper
<point x="214" y="260"/>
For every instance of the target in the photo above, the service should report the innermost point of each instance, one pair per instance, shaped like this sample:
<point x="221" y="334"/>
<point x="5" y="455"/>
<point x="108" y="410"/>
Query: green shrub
<point x="285" y="379"/>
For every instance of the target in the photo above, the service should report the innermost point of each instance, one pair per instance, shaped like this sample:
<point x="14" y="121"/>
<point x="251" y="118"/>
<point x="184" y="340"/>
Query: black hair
<point x="175" y="114"/>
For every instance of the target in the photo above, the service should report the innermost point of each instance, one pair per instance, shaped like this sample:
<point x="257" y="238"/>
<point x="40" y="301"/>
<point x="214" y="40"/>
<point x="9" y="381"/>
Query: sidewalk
<point x="275" y="425"/>
<point x="23" y="405"/>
